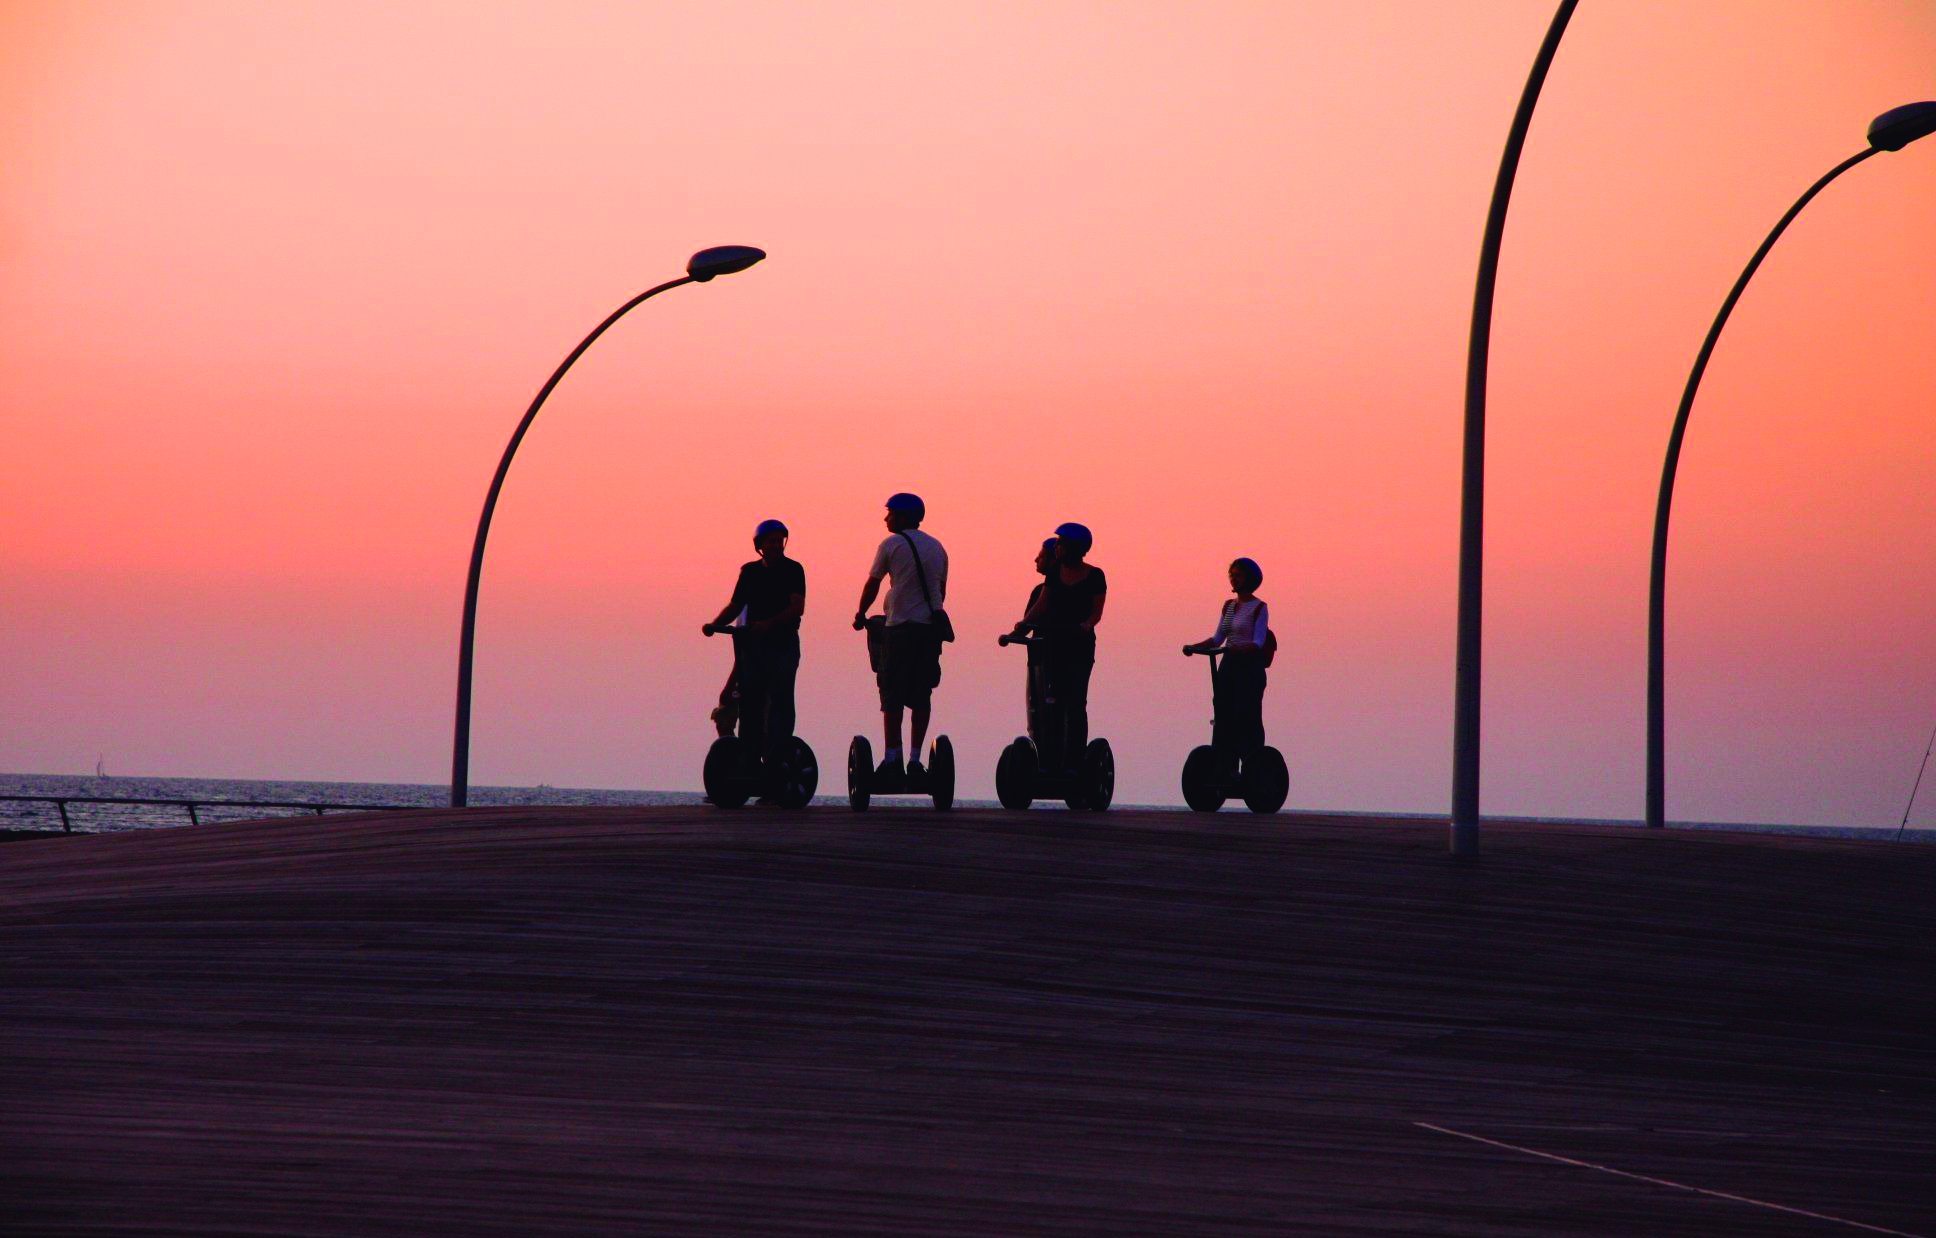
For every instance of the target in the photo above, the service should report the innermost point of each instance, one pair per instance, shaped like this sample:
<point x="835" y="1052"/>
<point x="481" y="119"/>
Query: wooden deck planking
<point x="561" y="1020"/>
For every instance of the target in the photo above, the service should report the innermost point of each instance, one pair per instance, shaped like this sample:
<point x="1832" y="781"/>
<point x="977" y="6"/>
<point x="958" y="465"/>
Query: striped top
<point x="1243" y="625"/>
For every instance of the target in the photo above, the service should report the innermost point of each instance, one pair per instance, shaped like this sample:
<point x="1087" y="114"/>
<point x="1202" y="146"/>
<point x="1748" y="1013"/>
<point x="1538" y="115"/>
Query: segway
<point x="733" y="775"/>
<point x="1262" y="781"/>
<point x="1024" y="775"/>
<point x="864" y="781"/>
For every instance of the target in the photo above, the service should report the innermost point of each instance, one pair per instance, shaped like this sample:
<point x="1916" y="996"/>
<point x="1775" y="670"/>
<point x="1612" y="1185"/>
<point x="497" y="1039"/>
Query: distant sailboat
<point x="100" y="770"/>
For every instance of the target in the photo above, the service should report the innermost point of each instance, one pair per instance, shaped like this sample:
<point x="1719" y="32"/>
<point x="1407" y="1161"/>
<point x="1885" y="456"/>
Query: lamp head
<point x="722" y="260"/>
<point x="1899" y="126"/>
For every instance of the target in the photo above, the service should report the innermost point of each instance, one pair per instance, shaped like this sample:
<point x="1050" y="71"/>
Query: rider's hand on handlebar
<point x="860" y="620"/>
<point x="707" y="628"/>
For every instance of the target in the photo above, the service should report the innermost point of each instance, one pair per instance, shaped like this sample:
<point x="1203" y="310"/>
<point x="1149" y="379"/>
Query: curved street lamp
<point x="704" y="265"/>
<point x="1893" y="130"/>
<point x="1472" y="485"/>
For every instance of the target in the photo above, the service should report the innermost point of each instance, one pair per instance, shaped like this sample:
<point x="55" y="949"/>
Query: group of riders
<point x="905" y="642"/>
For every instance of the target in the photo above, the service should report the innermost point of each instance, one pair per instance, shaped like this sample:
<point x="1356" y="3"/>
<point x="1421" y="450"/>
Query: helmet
<point x="909" y="503"/>
<point x="769" y="526"/>
<point x="1073" y="532"/>
<point x="1048" y="543"/>
<point x="1250" y="565"/>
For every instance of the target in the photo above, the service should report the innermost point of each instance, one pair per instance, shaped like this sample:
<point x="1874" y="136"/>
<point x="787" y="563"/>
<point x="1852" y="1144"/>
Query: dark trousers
<point x="1071" y="658"/>
<point x="1239" y="705"/>
<point x="765" y="671"/>
<point x="1037" y="695"/>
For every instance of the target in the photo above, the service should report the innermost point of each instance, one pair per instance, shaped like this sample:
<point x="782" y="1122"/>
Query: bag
<point x="943" y="626"/>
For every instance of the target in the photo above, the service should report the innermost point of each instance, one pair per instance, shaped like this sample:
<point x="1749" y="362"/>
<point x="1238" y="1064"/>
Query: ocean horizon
<point x="207" y="792"/>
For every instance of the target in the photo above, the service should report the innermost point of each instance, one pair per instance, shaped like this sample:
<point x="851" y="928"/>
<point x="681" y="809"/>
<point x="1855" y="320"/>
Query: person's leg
<point x="1033" y="692"/>
<point x="893" y="681"/>
<point x="1223" y="705"/>
<point x="726" y="716"/>
<point x="927" y="674"/>
<point x="784" y="667"/>
<point x="1251" y="710"/>
<point x="1240" y="704"/>
<point x="754" y="686"/>
<point x="1082" y="660"/>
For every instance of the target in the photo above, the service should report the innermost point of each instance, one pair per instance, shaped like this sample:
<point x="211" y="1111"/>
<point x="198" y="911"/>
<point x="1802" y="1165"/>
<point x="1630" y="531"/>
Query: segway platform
<point x="937" y="782"/>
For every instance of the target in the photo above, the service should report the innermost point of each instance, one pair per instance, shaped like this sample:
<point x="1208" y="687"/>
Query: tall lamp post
<point x="1472" y="486"/>
<point x="1892" y="130"/>
<point x="704" y="265"/>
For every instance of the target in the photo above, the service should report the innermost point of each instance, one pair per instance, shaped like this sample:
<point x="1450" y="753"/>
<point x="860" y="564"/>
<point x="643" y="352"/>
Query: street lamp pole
<point x="1892" y="130"/>
<point x="1472" y="493"/>
<point x="704" y="265"/>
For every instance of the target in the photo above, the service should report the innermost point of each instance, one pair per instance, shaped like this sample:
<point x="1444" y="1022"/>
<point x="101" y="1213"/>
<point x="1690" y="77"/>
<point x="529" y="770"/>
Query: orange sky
<point x="276" y="282"/>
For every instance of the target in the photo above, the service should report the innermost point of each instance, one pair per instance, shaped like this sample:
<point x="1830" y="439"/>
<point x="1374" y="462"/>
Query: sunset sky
<point x="277" y="280"/>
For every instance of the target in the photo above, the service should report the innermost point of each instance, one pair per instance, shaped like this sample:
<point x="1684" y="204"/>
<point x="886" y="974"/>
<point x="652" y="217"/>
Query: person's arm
<point x="734" y="605"/>
<point x="872" y="589"/>
<point x="1095" y="610"/>
<point x="723" y="619"/>
<point x="868" y="592"/>
<point x="1031" y="619"/>
<point x="1215" y="638"/>
<point x="796" y="607"/>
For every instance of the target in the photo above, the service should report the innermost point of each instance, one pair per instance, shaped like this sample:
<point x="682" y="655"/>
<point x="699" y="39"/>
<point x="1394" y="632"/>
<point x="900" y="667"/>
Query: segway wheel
<point x="860" y="773"/>
<point x="1202" y="786"/>
<point x="793" y="773"/>
<point x="725" y="772"/>
<point x="941" y="773"/>
<point x="1266" y="782"/>
<point x="1098" y="776"/>
<point x="1015" y="775"/>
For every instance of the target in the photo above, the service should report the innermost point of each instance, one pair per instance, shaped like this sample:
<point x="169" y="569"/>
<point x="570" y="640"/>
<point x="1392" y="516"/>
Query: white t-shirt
<point x="905" y="604"/>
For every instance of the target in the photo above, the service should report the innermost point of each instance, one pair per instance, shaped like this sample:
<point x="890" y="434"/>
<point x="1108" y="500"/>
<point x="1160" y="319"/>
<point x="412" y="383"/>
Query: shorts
<point x="910" y="665"/>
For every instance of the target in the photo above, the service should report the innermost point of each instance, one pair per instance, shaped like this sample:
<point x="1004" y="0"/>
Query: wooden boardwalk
<point x="564" y="1021"/>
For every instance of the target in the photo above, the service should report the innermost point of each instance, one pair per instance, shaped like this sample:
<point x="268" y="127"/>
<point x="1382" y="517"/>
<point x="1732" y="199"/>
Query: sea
<point x="209" y="795"/>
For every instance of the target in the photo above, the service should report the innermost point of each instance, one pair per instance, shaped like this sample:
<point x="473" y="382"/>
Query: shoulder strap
<point x="920" y="571"/>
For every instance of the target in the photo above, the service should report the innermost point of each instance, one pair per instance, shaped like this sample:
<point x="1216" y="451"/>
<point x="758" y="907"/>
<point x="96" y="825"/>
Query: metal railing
<point x="60" y="802"/>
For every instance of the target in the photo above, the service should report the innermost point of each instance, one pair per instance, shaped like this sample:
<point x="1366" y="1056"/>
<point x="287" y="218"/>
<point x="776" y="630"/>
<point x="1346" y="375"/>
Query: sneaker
<point x="889" y="770"/>
<point x="917" y="774"/>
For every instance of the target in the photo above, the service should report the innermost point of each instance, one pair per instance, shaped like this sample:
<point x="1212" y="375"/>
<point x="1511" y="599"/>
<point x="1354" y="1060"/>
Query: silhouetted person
<point x="768" y="599"/>
<point x="1066" y="615"/>
<point x="1243" y="633"/>
<point x="917" y="565"/>
<point x="1037" y="687"/>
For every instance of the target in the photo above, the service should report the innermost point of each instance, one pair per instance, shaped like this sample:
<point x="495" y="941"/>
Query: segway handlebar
<point x="1008" y="638"/>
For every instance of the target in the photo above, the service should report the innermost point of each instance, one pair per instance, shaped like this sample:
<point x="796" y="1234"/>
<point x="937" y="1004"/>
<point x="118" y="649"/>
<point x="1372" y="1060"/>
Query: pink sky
<point x="278" y="281"/>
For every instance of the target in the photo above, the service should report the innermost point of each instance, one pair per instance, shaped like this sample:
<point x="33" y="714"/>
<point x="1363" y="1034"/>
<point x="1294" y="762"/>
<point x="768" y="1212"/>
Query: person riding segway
<point x="904" y="646"/>
<point x="1061" y="623"/>
<point x="763" y="616"/>
<point x="1237" y="760"/>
